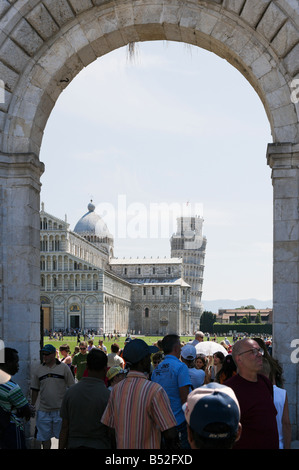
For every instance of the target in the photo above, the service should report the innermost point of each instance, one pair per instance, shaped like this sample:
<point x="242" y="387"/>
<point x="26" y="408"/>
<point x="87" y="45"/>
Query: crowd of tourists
<point x="161" y="396"/>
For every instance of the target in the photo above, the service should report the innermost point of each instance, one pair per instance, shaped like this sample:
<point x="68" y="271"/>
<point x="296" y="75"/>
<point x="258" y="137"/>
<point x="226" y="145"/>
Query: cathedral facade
<point x="83" y="284"/>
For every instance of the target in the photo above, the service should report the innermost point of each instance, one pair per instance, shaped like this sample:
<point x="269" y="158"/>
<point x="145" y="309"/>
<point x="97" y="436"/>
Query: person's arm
<point x="286" y="425"/>
<point x="170" y="439"/>
<point x="34" y="395"/>
<point x="184" y="392"/>
<point x="25" y="412"/>
<point x="64" y="432"/>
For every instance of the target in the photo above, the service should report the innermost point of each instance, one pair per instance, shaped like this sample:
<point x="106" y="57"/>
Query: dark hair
<point x="158" y="356"/>
<point x="9" y="355"/>
<point x="220" y="356"/>
<point x="96" y="359"/>
<point x="168" y="343"/>
<point x="228" y="367"/>
<point x="64" y="347"/>
<point x="114" y="347"/>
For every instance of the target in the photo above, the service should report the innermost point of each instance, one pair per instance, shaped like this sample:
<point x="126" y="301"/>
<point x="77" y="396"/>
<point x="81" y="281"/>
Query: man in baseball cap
<point x="48" y="349"/>
<point x="136" y="350"/>
<point x="138" y="409"/>
<point x="213" y="417"/>
<point x="188" y="355"/>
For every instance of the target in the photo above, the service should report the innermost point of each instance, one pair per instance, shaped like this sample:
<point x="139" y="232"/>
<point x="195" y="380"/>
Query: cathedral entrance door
<point x="74" y="321"/>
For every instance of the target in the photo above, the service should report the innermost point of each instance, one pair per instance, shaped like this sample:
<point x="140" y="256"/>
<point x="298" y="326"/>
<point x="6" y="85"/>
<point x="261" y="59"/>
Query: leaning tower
<point x="189" y="244"/>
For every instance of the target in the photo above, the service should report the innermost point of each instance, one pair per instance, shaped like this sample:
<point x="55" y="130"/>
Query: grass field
<point x="72" y="341"/>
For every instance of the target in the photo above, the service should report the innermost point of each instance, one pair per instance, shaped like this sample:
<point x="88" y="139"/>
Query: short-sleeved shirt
<point x="52" y="382"/>
<point x="83" y="406"/>
<point x="12" y="399"/>
<point x="80" y="361"/>
<point x="138" y="410"/>
<point x="258" y="413"/>
<point x="172" y="374"/>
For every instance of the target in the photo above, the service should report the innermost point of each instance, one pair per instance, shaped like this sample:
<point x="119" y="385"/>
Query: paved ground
<point x="54" y="444"/>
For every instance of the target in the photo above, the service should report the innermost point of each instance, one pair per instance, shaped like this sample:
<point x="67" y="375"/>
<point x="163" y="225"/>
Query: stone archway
<point x="45" y="44"/>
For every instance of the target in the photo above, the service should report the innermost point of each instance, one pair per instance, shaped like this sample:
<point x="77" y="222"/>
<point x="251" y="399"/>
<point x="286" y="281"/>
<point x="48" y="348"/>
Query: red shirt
<point x="258" y="413"/>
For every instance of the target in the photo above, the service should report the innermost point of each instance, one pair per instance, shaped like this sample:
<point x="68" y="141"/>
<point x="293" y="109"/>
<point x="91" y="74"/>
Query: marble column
<point x="19" y="259"/>
<point x="284" y="162"/>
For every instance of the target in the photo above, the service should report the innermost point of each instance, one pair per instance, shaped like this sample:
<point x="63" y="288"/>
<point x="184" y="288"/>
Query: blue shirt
<point x="172" y="374"/>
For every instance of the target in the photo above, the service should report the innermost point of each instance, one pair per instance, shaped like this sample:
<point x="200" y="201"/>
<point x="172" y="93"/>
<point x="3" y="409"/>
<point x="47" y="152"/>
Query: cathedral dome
<point x="91" y="224"/>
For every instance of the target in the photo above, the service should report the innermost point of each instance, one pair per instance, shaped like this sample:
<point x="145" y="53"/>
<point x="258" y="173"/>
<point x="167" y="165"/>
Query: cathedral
<point x="83" y="284"/>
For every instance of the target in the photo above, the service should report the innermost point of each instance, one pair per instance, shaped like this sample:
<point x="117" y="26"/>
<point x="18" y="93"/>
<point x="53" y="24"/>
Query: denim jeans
<point x="183" y="435"/>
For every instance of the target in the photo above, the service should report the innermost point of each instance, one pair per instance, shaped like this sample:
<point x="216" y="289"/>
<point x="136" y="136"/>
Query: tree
<point x="244" y="320"/>
<point x="258" y="318"/>
<point x="206" y="321"/>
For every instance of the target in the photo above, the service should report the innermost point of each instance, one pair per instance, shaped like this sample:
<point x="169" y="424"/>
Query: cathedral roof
<point x="92" y="224"/>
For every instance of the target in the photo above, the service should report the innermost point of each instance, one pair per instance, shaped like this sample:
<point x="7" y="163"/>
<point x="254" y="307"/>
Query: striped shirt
<point x="138" y="410"/>
<point x="52" y="382"/>
<point x="12" y="399"/>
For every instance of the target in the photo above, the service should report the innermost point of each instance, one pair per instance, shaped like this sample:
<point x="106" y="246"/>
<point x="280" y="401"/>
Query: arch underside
<point x="259" y="40"/>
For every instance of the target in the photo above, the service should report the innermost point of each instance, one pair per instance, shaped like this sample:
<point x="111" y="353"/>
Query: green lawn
<point x="72" y="341"/>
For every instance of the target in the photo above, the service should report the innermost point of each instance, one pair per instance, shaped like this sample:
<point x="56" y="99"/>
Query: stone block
<point x="261" y="66"/>
<point x="271" y="21"/>
<point x="286" y="209"/>
<point x="291" y="61"/>
<point x="285" y="272"/>
<point x="145" y="15"/>
<point x="9" y="20"/>
<point x="81" y="5"/>
<point x="42" y="22"/>
<point x="124" y="15"/>
<point x="26" y="37"/>
<point x="272" y="81"/>
<point x="287" y="291"/>
<point x="287" y="230"/>
<point x="60" y="10"/>
<point x="4" y="6"/>
<point x="233" y="5"/>
<point x="285" y="39"/>
<point x="56" y="57"/>
<point x="76" y="37"/>
<point x="91" y="29"/>
<point x="13" y="56"/>
<point x="249" y="54"/>
<point x="130" y="34"/>
<point x="278" y="98"/>
<point x="284" y="115"/>
<point x="286" y="251"/>
<point x="253" y="11"/>
<point x="289" y="133"/>
<point x="86" y="55"/>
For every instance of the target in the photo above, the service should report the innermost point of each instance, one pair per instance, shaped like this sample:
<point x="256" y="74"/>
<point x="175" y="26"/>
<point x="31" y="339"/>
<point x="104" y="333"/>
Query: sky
<point x="172" y="130"/>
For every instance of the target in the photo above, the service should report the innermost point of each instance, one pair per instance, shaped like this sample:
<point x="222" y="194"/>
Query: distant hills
<point x="215" y="305"/>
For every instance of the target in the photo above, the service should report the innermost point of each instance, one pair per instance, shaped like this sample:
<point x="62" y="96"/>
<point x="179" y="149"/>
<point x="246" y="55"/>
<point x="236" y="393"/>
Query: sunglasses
<point x="254" y="351"/>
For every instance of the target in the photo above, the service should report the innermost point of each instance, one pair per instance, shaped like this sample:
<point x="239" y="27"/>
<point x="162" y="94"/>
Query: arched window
<point x="146" y="312"/>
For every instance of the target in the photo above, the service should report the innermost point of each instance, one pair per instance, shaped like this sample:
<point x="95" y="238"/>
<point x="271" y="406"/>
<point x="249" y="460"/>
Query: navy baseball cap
<point x="213" y="404"/>
<point x="136" y="350"/>
<point x="48" y="349"/>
